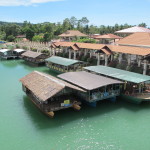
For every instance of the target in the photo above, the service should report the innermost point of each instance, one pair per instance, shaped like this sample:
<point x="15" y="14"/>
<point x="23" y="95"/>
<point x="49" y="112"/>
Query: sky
<point x="98" y="12"/>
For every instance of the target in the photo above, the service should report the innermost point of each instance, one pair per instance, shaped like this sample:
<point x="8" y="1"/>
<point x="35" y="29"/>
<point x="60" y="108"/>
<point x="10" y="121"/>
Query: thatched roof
<point x="31" y="54"/>
<point x="45" y="86"/>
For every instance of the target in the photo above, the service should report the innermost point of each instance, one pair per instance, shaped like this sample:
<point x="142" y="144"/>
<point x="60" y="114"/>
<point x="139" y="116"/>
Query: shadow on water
<point x="66" y="116"/>
<point x="32" y="67"/>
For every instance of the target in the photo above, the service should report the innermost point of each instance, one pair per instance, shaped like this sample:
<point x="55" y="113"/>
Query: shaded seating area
<point x="18" y="52"/>
<point x="96" y="87"/>
<point x="49" y="93"/>
<point x="34" y="57"/>
<point x="135" y="84"/>
<point x="64" y="64"/>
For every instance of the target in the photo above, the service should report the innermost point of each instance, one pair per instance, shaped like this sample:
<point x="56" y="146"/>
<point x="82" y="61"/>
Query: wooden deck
<point x="145" y="96"/>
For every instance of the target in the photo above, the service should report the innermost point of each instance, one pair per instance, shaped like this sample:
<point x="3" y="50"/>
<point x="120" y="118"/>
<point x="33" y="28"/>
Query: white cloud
<point x="23" y="2"/>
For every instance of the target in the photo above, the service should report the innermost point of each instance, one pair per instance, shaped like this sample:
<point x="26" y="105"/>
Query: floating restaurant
<point x="7" y="54"/>
<point x="49" y="93"/>
<point x="34" y="57"/>
<point x="136" y="88"/>
<point x="18" y="52"/>
<point x="64" y="64"/>
<point x="97" y="87"/>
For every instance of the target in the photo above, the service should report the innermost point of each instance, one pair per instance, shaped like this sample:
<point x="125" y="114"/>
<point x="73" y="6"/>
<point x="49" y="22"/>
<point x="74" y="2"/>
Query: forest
<point x="44" y="32"/>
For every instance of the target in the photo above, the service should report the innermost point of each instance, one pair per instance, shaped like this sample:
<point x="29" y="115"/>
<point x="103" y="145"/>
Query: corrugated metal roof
<point x="119" y="74"/>
<point x="19" y="50"/>
<point x="4" y="50"/>
<point x="62" y="61"/>
<point x="87" y="80"/>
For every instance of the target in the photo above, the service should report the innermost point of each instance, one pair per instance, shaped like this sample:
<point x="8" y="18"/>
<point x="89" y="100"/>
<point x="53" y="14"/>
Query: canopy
<point x="119" y="74"/>
<point x="4" y="50"/>
<point x="19" y="50"/>
<point x="62" y="61"/>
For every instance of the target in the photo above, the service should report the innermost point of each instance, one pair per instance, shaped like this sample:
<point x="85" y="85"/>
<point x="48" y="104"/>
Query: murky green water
<point x="109" y="126"/>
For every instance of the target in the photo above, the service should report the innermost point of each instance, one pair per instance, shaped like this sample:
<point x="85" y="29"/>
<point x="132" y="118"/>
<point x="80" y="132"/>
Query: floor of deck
<point x="143" y="96"/>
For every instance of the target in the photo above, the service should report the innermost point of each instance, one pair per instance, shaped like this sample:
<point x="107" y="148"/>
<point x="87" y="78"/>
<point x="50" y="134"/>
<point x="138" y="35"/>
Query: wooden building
<point x="34" y="57"/>
<point x="64" y="64"/>
<point x="49" y="93"/>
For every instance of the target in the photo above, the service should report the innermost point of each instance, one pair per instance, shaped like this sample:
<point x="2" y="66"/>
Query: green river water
<point x="109" y="126"/>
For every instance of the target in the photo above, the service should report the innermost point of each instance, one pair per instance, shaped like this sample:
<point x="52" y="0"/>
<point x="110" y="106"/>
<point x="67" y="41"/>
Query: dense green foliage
<point x="46" y="31"/>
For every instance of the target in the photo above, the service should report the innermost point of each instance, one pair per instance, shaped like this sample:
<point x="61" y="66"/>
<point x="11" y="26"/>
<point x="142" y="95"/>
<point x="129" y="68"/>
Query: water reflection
<point x="66" y="116"/>
<point x="10" y="63"/>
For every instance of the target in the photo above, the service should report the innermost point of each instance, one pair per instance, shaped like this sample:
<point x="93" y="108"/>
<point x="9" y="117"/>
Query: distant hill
<point x="5" y="23"/>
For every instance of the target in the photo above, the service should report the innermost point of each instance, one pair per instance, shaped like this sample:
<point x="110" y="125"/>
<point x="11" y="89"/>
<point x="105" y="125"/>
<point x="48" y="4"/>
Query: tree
<point x="73" y="22"/>
<point x="142" y="25"/>
<point x="10" y="38"/>
<point x="84" y="21"/>
<point x="29" y="34"/>
<point x="38" y="38"/>
<point x="47" y="37"/>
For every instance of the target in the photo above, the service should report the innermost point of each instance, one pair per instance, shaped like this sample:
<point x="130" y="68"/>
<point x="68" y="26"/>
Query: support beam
<point x="129" y="59"/>
<point x="112" y="57"/>
<point x="145" y="67"/>
<point x="120" y="57"/>
<point x="91" y="54"/>
<point x="106" y="59"/>
<point x="139" y="61"/>
<point x="53" y="52"/>
<point x="69" y="54"/>
<point x="85" y="52"/>
<point x="74" y="55"/>
<point x="98" y="59"/>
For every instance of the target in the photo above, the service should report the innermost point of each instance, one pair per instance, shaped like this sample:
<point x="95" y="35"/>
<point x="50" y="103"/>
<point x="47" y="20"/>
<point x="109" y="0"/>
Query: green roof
<point x="119" y="74"/>
<point x="62" y="61"/>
